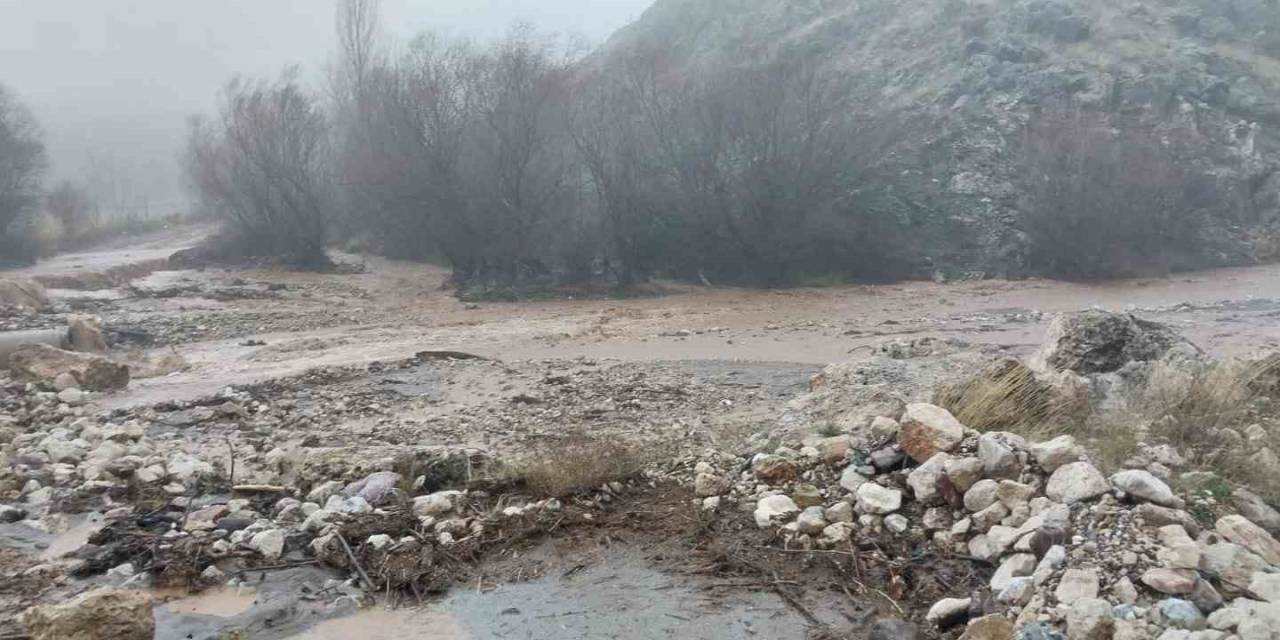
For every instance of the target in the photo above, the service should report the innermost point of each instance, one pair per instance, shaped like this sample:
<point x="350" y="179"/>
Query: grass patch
<point x="575" y="464"/>
<point x="1112" y="438"/>
<point x="1008" y="397"/>
<point x="1202" y="410"/>
<point x="828" y="430"/>
<point x="1188" y="407"/>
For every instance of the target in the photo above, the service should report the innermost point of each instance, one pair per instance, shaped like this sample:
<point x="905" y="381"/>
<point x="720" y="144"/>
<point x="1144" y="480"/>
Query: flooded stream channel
<point x="618" y="598"/>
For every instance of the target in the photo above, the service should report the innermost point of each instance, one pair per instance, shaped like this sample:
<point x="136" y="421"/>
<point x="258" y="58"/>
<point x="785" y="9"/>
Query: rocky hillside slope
<point x="954" y="84"/>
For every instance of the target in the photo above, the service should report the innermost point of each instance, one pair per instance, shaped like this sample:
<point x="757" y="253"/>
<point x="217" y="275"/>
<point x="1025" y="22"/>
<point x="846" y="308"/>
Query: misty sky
<point x="113" y="81"/>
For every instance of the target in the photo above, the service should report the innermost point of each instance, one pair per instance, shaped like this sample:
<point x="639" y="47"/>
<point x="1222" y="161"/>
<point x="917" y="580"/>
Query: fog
<point x="113" y="83"/>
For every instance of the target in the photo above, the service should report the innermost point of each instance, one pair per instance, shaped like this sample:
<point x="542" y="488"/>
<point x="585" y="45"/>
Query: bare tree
<point x="520" y="166"/>
<point x="22" y="167"/>
<point x="408" y="170"/>
<point x="357" y="26"/>
<point x="520" y="89"/>
<point x="761" y="159"/>
<point x="609" y="133"/>
<point x="73" y="208"/>
<point x="1107" y="198"/>
<point x="262" y="167"/>
<point x="358" y="62"/>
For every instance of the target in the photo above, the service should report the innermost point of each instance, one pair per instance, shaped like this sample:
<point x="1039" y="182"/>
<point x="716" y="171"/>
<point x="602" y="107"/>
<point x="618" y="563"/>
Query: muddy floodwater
<point x="698" y="366"/>
<point x="618" y="598"/>
<point x="615" y="600"/>
<point x="242" y="326"/>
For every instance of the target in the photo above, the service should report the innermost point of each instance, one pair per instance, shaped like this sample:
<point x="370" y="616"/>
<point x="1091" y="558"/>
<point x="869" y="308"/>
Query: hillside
<point x="956" y="86"/>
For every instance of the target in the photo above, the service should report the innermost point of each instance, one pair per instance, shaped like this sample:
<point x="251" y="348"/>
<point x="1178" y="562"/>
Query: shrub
<point x="261" y="168"/>
<point x="1107" y="196"/>
<point x="72" y="207"/>
<point x="22" y="166"/>
<point x="1008" y="397"/>
<point x="575" y="463"/>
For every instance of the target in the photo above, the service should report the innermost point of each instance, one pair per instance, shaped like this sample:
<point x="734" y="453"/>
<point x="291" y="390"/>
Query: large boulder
<point x="772" y="510"/>
<point x="23" y="295"/>
<point x="1075" y="482"/>
<point x="1056" y="452"/>
<point x="1144" y="486"/>
<point x="991" y="627"/>
<point x="1241" y="531"/>
<point x="1090" y="342"/>
<point x="1253" y="507"/>
<point x="928" y="430"/>
<point x="104" y="614"/>
<point x="84" y="336"/>
<point x="375" y="488"/>
<point x="42" y="364"/>
<point x="1232" y="565"/>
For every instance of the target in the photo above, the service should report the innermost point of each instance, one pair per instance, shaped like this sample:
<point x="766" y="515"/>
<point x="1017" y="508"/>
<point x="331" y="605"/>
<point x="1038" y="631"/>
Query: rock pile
<point x="1076" y="553"/>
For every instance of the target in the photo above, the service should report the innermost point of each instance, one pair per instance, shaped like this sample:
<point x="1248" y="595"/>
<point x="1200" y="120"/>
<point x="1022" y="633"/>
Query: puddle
<point x="276" y="608"/>
<point x="220" y="603"/>
<point x="386" y="624"/>
<point x="18" y="535"/>
<point x="616" y="600"/>
<point x="620" y="598"/>
<point x="49" y="546"/>
<point x="72" y="539"/>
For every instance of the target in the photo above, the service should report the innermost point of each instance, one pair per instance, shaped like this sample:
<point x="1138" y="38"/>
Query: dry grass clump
<point x="1111" y="436"/>
<point x="1201" y="410"/>
<point x="1009" y="397"/>
<point x="1203" y="413"/>
<point x="574" y="464"/>
<point x="1188" y="408"/>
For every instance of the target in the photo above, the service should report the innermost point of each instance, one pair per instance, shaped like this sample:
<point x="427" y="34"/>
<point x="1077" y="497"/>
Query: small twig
<point x="274" y="567"/>
<point x="795" y="604"/>
<point x="891" y="601"/>
<point x="356" y="563"/>
<point x="973" y="559"/>
<point x="186" y="511"/>
<point x="557" y="615"/>
<point x="231" y="453"/>
<point x="258" y="488"/>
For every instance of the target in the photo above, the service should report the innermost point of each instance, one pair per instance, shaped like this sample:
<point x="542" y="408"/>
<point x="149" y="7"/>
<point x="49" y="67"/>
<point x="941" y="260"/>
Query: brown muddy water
<point x="394" y="309"/>
<point x="769" y="339"/>
<point x="618" y="598"/>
